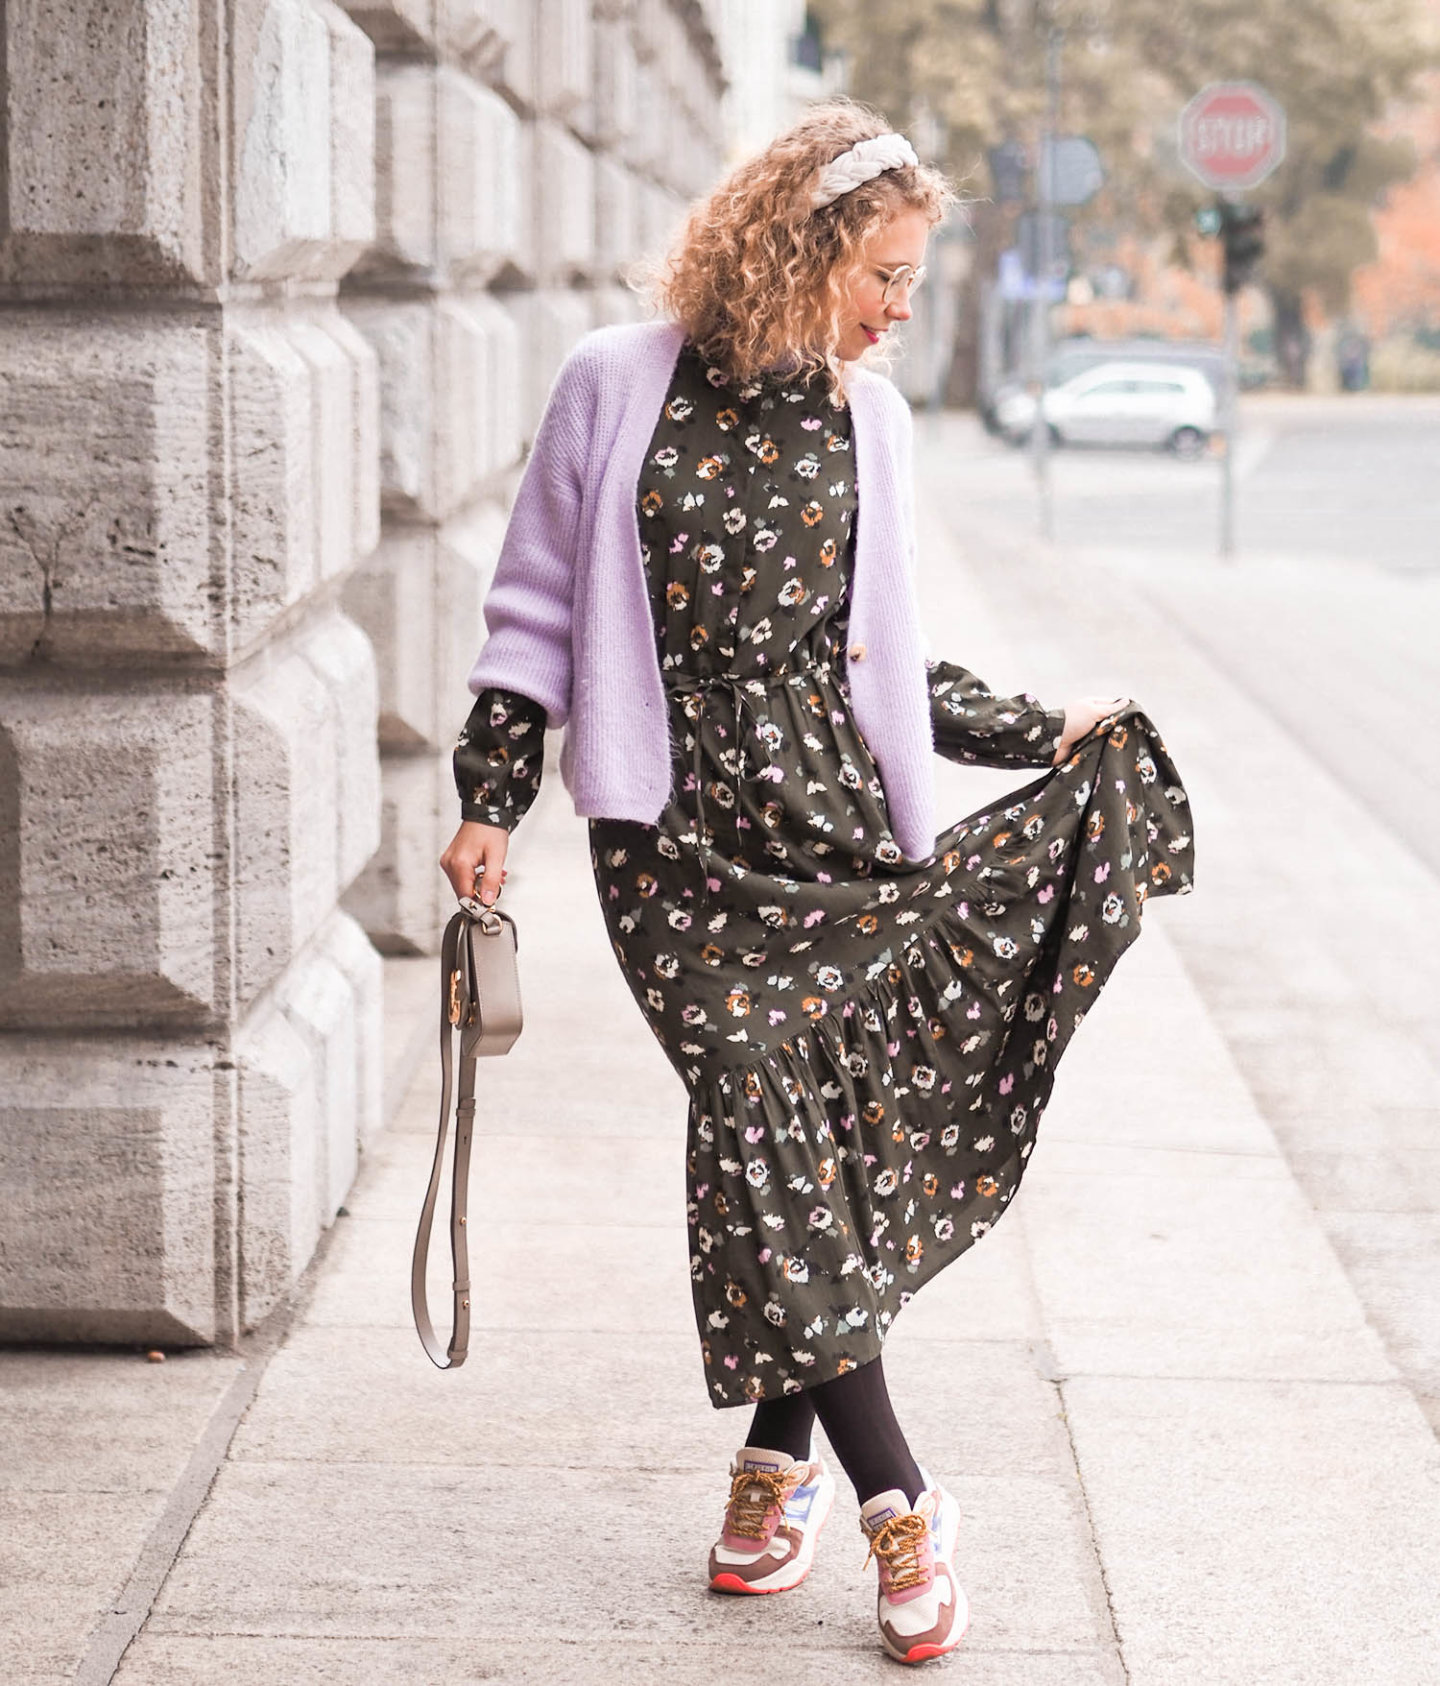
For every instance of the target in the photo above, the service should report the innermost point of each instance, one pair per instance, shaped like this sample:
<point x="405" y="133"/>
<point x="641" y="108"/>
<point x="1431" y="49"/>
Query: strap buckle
<point x="485" y="917"/>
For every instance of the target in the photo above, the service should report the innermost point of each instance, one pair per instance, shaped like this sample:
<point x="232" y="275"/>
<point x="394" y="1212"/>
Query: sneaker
<point x="921" y="1608"/>
<point x="776" y="1511"/>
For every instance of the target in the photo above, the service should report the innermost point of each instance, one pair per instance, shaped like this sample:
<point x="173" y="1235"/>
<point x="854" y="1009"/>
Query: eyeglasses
<point x="902" y="279"/>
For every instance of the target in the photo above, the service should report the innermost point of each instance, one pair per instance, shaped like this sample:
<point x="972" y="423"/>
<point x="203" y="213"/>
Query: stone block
<point x="309" y="1064"/>
<point x="644" y="149"/>
<point x="352" y="135"/>
<point x="315" y="997"/>
<point x="647" y="26"/>
<point x="396" y="26"/>
<point x="335" y="1009"/>
<point x="661" y="216"/>
<point x="281" y="1126"/>
<point x="108" y="146"/>
<point x="473" y="35"/>
<point x="401" y="898"/>
<point x="504" y="438"/>
<point x="465" y="565"/>
<point x="401" y="334"/>
<point x="364" y="432"/>
<point x="564" y="208"/>
<point x="439" y="361"/>
<point x="108" y="838"/>
<point x="23" y="592"/>
<point x="615" y="304"/>
<point x="679" y="62"/>
<point x="106" y="550"/>
<point x="306" y="780"/>
<point x="616" y="218"/>
<point x="341" y="656"/>
<point x="549" y="324"/>
<point x="477" y="380"/>
<point x="565" y="69"/>
<point x="419" y="601"/>
<point x="405" y="117"/>
<point x="272" y="506"/>
<point x="107" y="1190"/>
<point x="332" y="391"/>
<point x="304" y="405"/>
<point x="304" y="123"/>
<point x="286" y="796"/>
<point x="359" y="963"/>
<point x="507" y="48"/>
<point x="615" y="88"/>
<point x="391" y="596"/>
<point x="481" y="190"/>
<point x="688" y="172"/>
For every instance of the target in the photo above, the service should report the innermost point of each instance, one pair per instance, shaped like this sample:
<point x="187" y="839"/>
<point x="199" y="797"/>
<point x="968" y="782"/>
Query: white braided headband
<point x="865" y="160"/>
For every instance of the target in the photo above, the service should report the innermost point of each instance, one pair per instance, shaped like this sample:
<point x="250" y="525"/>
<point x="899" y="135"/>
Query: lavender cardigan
<point x="569" y="615"/>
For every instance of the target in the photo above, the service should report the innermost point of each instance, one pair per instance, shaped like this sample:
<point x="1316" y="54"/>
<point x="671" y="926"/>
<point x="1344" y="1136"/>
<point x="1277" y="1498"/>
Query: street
<point x="1345" y="479"/>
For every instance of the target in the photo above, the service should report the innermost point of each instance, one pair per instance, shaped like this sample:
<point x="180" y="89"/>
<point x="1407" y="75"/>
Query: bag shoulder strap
<point x="479" y="1008"/>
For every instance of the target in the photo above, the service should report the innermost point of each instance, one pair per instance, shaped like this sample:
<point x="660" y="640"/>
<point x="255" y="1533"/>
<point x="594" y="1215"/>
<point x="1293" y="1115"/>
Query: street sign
<point x="1009" y="163"/>
<point x="1044" y="241"/>
<point x="1076" y="173"/>
<point x="1232" y="135"/>
<point x="1016" y="282"/>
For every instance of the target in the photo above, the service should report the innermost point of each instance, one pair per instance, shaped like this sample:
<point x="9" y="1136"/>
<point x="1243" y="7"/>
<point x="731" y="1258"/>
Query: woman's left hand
<point x="1082" y="716"/>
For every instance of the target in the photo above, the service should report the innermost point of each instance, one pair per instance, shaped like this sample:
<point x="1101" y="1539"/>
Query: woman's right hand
<point x="1082" y="717"/>
<point x="474" y="860"/>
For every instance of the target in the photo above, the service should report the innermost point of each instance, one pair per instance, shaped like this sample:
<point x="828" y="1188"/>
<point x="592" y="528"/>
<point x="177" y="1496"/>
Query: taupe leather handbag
<point x="479" y="1005"/>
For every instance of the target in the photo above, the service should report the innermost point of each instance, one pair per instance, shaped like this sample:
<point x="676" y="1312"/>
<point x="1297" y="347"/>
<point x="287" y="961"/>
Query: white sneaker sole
<point x="789" y="1574"/>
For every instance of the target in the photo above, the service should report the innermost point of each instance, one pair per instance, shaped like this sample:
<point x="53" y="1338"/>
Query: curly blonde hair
<point x="757" y="277"/>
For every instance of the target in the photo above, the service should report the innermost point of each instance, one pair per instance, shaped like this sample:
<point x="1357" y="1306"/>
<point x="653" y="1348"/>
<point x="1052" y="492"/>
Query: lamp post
<point x="1044" y="270"/>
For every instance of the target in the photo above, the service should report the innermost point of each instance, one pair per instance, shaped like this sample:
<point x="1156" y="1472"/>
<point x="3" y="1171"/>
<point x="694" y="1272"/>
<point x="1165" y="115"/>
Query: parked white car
<point x="1121" y="404"/>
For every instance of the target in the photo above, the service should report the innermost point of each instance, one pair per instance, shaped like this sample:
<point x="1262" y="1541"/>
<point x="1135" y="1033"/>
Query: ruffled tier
<point x="835" y="1172"/>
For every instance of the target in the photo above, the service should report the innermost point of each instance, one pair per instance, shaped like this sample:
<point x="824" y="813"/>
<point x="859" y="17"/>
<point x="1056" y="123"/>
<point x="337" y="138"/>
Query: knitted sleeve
<point x="528" y="608"/>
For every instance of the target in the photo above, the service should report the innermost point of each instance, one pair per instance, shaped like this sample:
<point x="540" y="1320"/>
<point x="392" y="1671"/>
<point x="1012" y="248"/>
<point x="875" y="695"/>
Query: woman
<point x="707" y="577"/>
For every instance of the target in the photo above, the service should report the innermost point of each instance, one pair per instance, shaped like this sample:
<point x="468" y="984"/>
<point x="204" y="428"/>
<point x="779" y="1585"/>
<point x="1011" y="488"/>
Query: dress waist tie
<point x="703" y="690"/>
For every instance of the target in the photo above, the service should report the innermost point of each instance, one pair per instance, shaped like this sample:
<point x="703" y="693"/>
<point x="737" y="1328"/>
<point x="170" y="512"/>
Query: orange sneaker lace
<point x="897" y="1545"/>
<point x="752" y="1493"/>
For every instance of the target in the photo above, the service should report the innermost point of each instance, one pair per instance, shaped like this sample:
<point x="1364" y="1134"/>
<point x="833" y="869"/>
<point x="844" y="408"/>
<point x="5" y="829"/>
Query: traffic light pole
<point x="1231" y="424"/>
<point x="1242" y="241"/>
<point x="1232" y="138"/>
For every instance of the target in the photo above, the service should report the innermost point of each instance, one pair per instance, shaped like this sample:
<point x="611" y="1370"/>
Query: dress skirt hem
<point x="838" y="1170"/>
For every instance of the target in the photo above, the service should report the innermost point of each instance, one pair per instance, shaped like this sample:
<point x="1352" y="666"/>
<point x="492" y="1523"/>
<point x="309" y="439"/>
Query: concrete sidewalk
<point x="1184" y="1454"/>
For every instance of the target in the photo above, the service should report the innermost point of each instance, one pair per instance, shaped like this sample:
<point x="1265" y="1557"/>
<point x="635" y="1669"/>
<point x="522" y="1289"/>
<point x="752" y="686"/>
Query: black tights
<point x="859" y="1422"/>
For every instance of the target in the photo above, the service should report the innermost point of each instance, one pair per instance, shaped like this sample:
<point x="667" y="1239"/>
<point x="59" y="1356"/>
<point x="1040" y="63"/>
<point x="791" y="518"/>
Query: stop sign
<point x="1232" y="135"/>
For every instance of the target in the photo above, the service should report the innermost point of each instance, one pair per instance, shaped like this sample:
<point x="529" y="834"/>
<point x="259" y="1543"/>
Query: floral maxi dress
<point x="868" y="1043"/>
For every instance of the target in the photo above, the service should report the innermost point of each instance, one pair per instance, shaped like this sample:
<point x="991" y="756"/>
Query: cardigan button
<point x="857" y="652"/>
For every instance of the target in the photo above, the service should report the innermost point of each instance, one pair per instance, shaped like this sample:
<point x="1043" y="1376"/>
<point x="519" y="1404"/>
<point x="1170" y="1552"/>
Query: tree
<point x="1129" y="66"/>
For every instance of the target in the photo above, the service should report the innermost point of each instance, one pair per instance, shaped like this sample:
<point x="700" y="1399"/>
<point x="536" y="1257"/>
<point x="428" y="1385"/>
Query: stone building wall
<point x="282" y="286"/>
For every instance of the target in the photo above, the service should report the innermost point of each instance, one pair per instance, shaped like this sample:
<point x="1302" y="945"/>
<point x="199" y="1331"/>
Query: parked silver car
<point x="1135" y="404"/>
